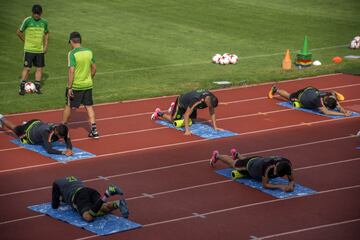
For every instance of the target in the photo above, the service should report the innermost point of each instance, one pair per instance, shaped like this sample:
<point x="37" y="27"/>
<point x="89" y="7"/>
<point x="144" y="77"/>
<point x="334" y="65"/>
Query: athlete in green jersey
<point x="34" y="33"/>
<point x="82" y="69"/>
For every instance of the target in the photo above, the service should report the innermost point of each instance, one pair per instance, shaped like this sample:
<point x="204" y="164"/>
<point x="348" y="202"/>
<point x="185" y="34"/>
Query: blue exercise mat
<point x="78" y="153"/>
<point x="298" y="191"/>
<point x="201" y="130"/>
<point x="104" y="225"/>
<point x="315" y="111"/>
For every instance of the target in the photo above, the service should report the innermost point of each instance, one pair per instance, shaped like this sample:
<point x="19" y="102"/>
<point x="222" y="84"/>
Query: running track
<point x="169" y="185"/>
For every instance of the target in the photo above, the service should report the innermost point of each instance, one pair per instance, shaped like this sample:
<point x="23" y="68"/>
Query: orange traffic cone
<point x="286" y="64"/>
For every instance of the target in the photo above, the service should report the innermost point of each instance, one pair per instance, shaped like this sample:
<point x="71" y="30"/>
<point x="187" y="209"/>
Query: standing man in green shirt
<point x="34" y="33"/>
<point x="82" y="70"/>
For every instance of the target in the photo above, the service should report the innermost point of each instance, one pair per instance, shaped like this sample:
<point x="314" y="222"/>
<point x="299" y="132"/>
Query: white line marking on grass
<point x="147" y="195"/>
<point x="310" y="228"/>
<point x="179" y="64"/>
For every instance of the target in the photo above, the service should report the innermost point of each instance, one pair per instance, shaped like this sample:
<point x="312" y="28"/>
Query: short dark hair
<point x="283" y="168"/>
<point x="36" y="9"/>
<point x="330" y="102"/>
<point x="213" y="100"/>
<point x="62" y="130"/>
<point x="75" y="37"/>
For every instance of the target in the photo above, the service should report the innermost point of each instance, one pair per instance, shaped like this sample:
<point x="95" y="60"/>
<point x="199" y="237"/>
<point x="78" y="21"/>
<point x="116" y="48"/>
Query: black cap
<point x="75" y="35"/>
<point x="36" y="9"/>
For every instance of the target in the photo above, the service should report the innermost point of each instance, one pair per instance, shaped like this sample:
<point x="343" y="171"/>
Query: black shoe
<point x="94" y="134"/>
<point x="38" y="86"/>
<point x="22" y="89"/>
<point x="272" y="91"/>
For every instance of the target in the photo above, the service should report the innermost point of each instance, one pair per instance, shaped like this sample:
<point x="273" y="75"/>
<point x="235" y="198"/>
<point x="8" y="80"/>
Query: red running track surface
<point x="173" y="191"/>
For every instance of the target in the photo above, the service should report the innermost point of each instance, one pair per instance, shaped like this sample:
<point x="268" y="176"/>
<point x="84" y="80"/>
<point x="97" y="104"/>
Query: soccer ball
<point x="216" y="58"/>
<point x="355" y="43"/>
<point x="233" y="59"/>
<point x="224" y="60"/>
<point x="30" y="87"/>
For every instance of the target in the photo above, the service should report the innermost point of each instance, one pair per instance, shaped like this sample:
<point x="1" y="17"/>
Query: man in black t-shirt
<point x="186" y="106"/>
<point x="39" y="133"/>
<point x="87" y="201"/>
<point x="313" y="98"/>
<point x="259" y="168"/>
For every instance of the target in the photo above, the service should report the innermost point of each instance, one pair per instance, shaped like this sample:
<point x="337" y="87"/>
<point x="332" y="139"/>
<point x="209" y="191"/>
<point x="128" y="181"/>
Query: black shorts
<point x="178" y="111"/>
<point x="20" y="130"/>
<point x="80" y="97"/>
<point x="38" y="59"/>
<point x="85" y="198"/>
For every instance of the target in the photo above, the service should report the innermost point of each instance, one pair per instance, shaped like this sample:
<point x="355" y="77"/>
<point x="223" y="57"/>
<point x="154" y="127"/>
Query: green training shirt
<point x="34" y="34"/>
<point x="81" y="58"/>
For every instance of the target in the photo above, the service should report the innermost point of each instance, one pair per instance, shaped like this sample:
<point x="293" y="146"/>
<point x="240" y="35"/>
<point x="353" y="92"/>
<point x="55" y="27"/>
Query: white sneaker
<point x="155" y="115"/>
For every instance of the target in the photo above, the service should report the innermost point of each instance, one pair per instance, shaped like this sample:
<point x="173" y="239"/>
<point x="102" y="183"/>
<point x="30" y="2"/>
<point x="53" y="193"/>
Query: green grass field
<point x="148" y="48"/>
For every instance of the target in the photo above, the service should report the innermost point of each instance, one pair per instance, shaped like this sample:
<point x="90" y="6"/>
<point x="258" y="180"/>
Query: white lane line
<point x="310" y="229"/>
<point x="182" y="143"/>
<point x="225" y="103"/>
<point x="190" y="163"/>
<point x="152" y="195"/>
<point x="163" y="128"/>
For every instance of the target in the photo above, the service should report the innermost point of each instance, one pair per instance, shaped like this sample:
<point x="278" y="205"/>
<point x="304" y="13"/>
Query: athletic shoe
<point x="94" y="134"/>
<point x="37" y="86"/>
<point x="214" y="158"/>
<point x="155" y="115"/>
<point x="1" y="117"/>
<point x="234" y="154"/>
<point x="114" y="190"/>
<point x="22" y="89"/>
<point x="171" y="108"/>
<point x="272" y="91"/>
<point x="123" y="208"/>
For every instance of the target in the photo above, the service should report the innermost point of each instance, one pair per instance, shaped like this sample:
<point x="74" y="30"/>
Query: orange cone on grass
<point x="286" y="63"/>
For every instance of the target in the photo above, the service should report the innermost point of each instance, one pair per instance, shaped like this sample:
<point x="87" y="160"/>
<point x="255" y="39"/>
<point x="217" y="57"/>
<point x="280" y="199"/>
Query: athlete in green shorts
<point x="82" y="70"/>
<point x="34" y="33"/>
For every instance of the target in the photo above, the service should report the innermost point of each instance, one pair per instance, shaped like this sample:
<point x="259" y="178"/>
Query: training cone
<point x="337" y="59"/>
<point x="304" y="50"/>
<point x="286" y="63"/>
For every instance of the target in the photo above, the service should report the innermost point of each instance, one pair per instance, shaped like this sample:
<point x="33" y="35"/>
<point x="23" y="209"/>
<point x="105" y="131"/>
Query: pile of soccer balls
<point x="225" y="59"/>
<point x="355" y="43"/>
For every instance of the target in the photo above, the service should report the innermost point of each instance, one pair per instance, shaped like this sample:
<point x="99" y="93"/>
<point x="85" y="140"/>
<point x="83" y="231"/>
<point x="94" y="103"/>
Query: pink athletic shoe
<point x="214" y="158"/>
<point x="234" y="153"/>
<point x="155" y="115"/>
<point x="171" y="108"/>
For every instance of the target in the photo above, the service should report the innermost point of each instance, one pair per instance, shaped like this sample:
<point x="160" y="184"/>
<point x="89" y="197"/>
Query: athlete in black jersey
<point x="87" y="201"/>
<point x="186" y="106"/>
<point x="313" y="98"/>
<point x="259" y="168"/>
<point x="37" y="132"/>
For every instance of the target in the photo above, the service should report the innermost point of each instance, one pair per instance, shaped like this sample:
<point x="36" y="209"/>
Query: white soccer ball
<point x="234" y="59"/>
<point x="216" y="58"/>
<point x="354" y="44"/>
<point x="357" y="38"/>
<point x="30" y="87"/>
<point x="224" y="60"/>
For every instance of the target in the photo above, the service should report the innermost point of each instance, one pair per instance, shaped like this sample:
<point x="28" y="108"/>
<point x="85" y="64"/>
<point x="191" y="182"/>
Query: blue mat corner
<point x="201" y="130"/>
<point x="105" y="225"/>
<point x="315" y="111"/>
<point x="298" y="191"/>
<point x="78" y="153"/>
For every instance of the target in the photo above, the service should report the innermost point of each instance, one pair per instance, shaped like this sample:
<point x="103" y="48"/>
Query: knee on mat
<point x="87" y="217"/>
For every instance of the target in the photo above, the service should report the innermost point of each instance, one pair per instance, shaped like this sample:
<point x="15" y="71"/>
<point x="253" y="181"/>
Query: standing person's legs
<point x="66" y="114"/>
<point x="28" y="62"/>
<point x="39" y="63"/>
<point x="87" y="100"/>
